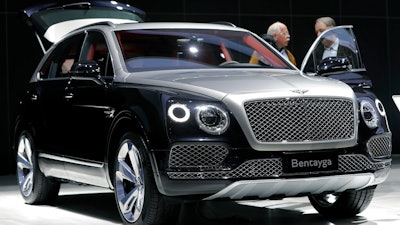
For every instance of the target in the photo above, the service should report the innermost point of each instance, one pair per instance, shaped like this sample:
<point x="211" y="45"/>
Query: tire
<point x="342" y="205"/>
<point x="34" y="186"/>
<point x="137" y="197"/>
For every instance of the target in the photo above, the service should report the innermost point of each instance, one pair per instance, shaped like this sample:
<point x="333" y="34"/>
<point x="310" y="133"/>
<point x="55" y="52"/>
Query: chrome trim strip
<point x="69" y="160"/>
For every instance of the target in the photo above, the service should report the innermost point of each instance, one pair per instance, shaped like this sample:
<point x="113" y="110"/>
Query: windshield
<point x="160" y="49"/>
<point x="336" y="42"/>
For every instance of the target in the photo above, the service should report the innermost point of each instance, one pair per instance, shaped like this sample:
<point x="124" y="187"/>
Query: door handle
<point x="68" y="96"/>
<point x="34" y="97"/>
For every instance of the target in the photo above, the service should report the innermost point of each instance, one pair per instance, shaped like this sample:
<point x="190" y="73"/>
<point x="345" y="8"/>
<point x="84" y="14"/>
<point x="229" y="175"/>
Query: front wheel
<point x="35" y="187"/>
<point x="342" y="205"/>
<point x="137" y="197"/>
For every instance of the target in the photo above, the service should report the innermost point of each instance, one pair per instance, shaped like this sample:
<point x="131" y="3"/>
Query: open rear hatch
<point x="52" y="21"/>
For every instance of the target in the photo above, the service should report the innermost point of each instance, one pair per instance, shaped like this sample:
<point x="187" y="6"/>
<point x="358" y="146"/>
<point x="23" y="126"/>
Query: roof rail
<point x="224" y="23"/>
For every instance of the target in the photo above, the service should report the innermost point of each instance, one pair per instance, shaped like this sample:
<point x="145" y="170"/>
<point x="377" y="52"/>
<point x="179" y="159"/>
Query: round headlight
<point x="369" y="114"/>
<point x="212" y="119"/>
<point x="179" y="112"/>
<point x="380" y="107"/>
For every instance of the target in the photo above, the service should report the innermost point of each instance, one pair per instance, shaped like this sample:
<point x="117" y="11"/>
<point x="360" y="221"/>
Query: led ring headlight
<point x="179" y="113"/>
<point x="380" y="107"/>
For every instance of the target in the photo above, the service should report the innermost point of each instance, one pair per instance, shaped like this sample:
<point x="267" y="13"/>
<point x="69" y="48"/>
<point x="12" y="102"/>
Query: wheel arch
<point x="125" y="121"/>
<point x="21" y="125"/>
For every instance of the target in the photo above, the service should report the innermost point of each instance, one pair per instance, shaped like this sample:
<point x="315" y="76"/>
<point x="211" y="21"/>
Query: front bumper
<point x="294" y="187"/>
<point x="219" y="171"/>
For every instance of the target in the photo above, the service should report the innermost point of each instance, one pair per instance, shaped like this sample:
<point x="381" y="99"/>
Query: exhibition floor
<point x="90" y="205"/>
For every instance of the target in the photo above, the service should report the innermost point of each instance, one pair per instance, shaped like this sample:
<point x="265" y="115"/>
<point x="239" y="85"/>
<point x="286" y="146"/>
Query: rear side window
<point x="60" y="60"/>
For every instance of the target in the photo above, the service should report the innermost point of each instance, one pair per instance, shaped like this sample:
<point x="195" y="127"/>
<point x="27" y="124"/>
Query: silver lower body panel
<point x="266" y="188"/>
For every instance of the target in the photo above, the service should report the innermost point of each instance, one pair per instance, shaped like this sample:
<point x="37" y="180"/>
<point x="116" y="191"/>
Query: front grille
<point x="249" y="169"/>
<point x="273" y="168"/>
<point x="301" y="119"/>
<point x="355" y="163"/>
<point x="380" y="146"/>
<point x="197" y="155"/>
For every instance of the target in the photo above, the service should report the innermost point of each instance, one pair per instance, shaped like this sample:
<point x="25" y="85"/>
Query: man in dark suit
<point x="331" y="46"/>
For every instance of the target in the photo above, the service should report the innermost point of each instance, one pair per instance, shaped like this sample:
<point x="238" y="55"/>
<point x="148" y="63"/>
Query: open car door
<point x="335" y="54"/>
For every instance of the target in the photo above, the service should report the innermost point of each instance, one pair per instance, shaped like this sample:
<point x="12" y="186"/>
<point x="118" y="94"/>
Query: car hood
<point x="218" y="83"/>
<point x="53" y="20"/>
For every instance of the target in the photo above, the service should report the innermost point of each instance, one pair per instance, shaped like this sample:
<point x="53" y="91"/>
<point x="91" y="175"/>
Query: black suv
<point x="157" y="111"/>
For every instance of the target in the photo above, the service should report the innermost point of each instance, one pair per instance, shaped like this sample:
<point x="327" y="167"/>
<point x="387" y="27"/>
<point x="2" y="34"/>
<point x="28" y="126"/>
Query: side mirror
<point x="333" y="64"/>
<point x="85" y="68"/>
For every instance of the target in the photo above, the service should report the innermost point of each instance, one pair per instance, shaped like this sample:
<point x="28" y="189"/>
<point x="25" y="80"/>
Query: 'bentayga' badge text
<point x="323" y="163"/>
<point x="310" y="162"/>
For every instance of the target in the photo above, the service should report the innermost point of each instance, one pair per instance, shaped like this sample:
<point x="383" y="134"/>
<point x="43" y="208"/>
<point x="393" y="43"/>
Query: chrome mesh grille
<point x="354" y="163"/>
<point x="380" y="146"/>
<point x="249" y="169"/>
<point x="301" y="119"/>
<point x="272" y="168"/>
<point x="197" y="155"/>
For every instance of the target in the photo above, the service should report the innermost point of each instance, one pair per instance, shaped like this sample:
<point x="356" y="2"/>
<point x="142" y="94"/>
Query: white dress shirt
<point x="331" y="51"/>
<point x="283" y="52"/>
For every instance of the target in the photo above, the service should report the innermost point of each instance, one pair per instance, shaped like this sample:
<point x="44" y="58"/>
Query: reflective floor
<point x="90" y="205"/>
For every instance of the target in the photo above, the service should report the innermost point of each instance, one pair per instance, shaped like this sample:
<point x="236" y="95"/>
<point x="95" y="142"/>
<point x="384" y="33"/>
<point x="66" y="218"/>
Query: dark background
<point x="376" y="24"/>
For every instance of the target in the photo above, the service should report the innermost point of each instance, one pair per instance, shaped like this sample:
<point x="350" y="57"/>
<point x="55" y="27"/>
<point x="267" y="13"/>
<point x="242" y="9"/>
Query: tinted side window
<point x="95" y="48"/>
<point x="59" y="63"/>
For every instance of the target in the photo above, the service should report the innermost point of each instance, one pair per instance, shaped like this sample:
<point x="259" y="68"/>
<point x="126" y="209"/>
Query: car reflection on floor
<point x="83" y="205"/>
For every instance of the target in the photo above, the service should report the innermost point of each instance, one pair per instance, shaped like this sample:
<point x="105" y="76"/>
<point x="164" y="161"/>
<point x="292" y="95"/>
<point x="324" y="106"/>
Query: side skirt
<point x="73" y="170"/>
